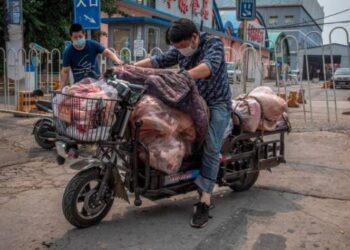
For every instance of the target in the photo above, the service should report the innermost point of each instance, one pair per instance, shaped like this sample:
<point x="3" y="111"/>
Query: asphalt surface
<point x="303" y="204"/>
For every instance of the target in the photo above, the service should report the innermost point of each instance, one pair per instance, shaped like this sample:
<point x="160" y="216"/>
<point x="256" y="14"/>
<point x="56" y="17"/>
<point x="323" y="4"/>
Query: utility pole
<point x="245" y="57"/>
<point x="246" y="11"/>
<point x="14" y="22"/>
<point x="14" y="44"/>
<point x="245" y="30"/>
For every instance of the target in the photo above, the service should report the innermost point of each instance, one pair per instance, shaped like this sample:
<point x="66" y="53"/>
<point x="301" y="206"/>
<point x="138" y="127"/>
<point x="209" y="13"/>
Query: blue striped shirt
<point x="214" y="89"/>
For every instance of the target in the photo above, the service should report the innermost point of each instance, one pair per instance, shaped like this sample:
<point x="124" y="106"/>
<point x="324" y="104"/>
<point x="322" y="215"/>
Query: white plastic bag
<point x="95" y="134"/>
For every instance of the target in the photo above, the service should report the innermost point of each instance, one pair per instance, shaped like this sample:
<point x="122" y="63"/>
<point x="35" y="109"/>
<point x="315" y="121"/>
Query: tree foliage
<point x="109" y="7"/>
<point x="47" y="22"/>
<point x="2" y="24"/>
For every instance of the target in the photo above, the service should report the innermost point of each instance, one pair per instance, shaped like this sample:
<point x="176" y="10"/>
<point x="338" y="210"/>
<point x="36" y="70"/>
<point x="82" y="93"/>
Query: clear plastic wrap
<point x="84" y="109"/>
<point x="98" y="134"/>
<point x="250" y="112"/>
<point x="167" y="132"/>
<point x="262" y="109"/>
<point x="177" y="90"/>
<point x="272" y="105"/>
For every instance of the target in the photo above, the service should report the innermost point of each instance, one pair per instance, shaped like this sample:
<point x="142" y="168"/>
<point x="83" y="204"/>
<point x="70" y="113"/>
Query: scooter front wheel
<point x="81" y="205"/>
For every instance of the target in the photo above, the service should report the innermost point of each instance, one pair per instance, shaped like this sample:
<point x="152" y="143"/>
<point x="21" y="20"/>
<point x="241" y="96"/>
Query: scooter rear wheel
<point x="245" y="183"/>
<point x="40" y="128"/>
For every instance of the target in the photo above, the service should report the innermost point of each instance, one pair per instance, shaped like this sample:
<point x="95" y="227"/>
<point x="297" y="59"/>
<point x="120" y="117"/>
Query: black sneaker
<point x="212" y="206"/>
<point x="200" y="216"/>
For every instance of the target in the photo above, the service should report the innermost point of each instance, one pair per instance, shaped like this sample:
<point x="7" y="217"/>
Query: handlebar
<point x="137" y="87"/>
<point x="133" y="87"/>
<point x="110" y="75"/>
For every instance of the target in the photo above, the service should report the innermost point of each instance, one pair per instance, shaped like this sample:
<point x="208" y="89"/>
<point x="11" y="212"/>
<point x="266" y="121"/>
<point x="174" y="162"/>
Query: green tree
<point x="109" y="7"/>
<point x="47" y="22"/>
<point x="32" y="20"/>
<point x="60" y="17"/>
<point x="3" y="29"/>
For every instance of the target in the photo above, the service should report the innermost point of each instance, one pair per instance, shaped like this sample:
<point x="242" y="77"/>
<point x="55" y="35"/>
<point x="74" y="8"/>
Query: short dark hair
<point x="75" y="27"/>
<point x="180" y="30"/>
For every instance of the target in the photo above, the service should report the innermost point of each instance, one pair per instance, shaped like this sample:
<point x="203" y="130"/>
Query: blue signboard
<point x="246" y="9"/>
<point x="88" y="13"/>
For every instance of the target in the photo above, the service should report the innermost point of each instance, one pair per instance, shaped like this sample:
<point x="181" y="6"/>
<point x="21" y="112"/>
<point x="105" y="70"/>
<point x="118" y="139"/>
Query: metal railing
<point x="18" y="75"/>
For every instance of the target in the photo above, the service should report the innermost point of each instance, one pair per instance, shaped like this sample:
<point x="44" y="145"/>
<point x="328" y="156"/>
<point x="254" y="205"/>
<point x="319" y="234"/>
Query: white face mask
<point x="189" y="51"/>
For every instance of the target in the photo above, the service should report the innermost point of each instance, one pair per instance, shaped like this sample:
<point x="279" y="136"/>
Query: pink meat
<point x="83" y="102"/>
<point x="266" y="125"/>
<point x="166" y="153"/>
<point x="82" y="90"/>
<point x="272" y="106"/>
<point x="250" y="112"/>
<point x="167" y="132"/>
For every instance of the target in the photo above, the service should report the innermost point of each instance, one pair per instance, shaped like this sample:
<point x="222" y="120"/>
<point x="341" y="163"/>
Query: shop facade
<point x="144" y="23"/>
<point x="256" y="36"/>
<point x="339" y="52"/>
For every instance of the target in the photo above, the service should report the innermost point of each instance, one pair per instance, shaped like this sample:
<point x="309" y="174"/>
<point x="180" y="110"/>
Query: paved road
<point x="303" y="204"/>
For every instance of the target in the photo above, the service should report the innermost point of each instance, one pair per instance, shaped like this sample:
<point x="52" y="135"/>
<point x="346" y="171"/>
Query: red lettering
<point x="169" y="2"/>
<point x="185" y="176"/>
<point x="183" y="6"/>
<point x="255" y="34"/>
<point x="205" y="12"/>
<point x="195" y="6"/>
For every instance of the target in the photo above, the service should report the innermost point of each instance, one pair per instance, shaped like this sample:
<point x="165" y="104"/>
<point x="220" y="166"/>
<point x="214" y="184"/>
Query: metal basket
<point x="85" y="120"/>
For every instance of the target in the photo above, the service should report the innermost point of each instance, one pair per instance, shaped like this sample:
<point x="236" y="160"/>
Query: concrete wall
<point x="226" y="3"/>
<point x="300" y="16"/>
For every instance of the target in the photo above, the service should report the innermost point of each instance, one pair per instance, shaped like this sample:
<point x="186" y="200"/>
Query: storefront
<point x="143" y="25"/>
<point x="136" y="34"/>
<point x="256" y="36"/>
<point x="341" y="59"/>
<point x="145" y="22"/>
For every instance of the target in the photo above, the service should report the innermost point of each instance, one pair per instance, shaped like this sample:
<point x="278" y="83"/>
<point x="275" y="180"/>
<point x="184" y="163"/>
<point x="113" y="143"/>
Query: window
<point x="121" y="41"/>
<point x="273" y="20"/>
<point x="162" y="42"/>
<point x="289" y="19"/>
<point x="152" y="38"/>
<point x="149" y="3"/>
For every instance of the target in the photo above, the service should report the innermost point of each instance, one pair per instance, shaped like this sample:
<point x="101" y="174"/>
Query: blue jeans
<point x="220" y="115"/>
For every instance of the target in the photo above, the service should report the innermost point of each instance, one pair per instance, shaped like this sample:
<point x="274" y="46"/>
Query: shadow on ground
<point x="165" y="225"/>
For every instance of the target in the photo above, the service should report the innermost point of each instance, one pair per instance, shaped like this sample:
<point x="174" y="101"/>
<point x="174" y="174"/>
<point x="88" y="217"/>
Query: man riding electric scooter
<point x="202" y="55"/>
